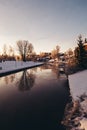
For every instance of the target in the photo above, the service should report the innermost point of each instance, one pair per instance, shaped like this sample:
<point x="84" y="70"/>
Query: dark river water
<point x="33" y="99"/>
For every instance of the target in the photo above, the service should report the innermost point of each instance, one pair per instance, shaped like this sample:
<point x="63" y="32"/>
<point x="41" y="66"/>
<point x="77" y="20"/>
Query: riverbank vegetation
<point x="77" y="60"/>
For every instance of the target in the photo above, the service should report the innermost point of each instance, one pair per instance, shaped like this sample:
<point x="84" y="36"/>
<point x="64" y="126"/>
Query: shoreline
<point x="75" y="115"/>
<point x="19" y="68"/>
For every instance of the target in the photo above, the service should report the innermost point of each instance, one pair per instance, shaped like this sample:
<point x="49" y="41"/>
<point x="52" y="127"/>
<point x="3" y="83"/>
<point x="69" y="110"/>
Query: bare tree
<point x="11" y="51"/>
<point x="70" y="57"/>
<point x="55" y="52"/>
<point x="25" y="48"/>
<point x="4" y="52"/>
<point x="57" y="49"/>
<point x="70" y="52"/>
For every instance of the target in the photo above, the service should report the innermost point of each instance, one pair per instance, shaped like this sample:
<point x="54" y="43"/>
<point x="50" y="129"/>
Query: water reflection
<point x="56" y="71"/>
<point x="9" y="79"/>
<point x="26" y="80"/>
<point x="54" y="68"/>
<point x="40" y="108"/>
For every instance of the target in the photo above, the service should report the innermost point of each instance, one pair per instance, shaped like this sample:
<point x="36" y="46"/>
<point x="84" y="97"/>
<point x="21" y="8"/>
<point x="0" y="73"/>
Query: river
<point x="33" y="99"/>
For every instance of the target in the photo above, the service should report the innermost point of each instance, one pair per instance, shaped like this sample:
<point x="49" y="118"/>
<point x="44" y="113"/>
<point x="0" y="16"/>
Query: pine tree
<point x="81" y="55"/>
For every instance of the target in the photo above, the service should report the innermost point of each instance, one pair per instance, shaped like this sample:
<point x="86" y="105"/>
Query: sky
<point x="44" y="23"/>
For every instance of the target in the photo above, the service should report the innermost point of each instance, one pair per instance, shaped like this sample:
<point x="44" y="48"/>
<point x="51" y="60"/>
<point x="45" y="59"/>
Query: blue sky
<point x="45" y="23"/>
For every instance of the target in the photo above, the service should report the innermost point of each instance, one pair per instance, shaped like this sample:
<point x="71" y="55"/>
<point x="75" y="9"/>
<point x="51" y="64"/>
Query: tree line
<point x="25" y="51"/>
<point x="78" y="57"/>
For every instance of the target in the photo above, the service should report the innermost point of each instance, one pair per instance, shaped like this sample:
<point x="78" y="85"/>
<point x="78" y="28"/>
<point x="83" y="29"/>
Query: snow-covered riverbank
<point x="8" y="67"/>
<point x="78" y="84"/>
<point x="75" y="117"/>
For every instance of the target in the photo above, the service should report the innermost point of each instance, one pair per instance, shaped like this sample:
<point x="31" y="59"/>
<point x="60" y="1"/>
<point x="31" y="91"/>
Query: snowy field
<point x="78" y="90"/>
<point x="9" y="66"/>
<point x="78" y="84"/>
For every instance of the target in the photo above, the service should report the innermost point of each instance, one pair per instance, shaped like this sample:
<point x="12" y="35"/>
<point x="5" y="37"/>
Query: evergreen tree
<point x="81" y="53"/>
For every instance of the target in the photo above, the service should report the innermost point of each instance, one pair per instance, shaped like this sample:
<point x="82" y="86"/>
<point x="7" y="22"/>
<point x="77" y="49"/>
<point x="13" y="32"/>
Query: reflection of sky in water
<point x="41" y="73"/>
<point x="32" y="79"/>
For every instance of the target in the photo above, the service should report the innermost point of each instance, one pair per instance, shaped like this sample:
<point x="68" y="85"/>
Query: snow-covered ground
<point x="11" y="66"/>
<point x="78" y="84"/>
<point x="78" y="90"/>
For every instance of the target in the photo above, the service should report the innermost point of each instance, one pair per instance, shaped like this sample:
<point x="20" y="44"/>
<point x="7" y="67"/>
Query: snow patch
<point x="78" y="84"/>
<point x="9" y="66"/>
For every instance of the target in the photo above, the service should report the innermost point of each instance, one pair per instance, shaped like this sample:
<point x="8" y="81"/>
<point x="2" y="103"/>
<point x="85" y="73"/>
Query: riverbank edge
<point x="19" y="69"/>
<point x="75" y="112"/>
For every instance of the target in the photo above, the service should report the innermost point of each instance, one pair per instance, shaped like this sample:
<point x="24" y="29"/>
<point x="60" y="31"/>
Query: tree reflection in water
<point x="26" y="81"/>
<point x="55" y="69"/>
<point x="9" y="79"/>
